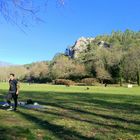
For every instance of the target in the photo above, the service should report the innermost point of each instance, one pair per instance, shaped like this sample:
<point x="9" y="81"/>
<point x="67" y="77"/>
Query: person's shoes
<point x="10" y="109"/>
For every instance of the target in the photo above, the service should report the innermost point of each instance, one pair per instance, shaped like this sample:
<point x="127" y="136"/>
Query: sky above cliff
<point x="63" y="25"/>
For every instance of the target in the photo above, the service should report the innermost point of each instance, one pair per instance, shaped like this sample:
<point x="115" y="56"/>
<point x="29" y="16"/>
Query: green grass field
<point x="73" y="113"/>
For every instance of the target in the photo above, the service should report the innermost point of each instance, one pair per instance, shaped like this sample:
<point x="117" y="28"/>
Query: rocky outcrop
<point x="103" y="44"/>
<point x="81" y="45"/>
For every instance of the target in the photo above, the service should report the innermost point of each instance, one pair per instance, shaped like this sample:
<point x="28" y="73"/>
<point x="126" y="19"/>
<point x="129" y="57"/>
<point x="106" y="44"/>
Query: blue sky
<point x="64" y="25"/>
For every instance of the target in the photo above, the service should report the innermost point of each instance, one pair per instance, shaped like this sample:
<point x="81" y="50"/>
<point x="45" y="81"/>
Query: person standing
<point x="13" y="92"/>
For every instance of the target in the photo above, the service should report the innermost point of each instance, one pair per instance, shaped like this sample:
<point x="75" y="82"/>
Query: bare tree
<point x="20" y="12"/>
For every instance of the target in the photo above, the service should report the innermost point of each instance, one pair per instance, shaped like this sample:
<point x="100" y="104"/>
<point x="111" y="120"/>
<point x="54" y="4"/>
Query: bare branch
<point x="22" y="12"/>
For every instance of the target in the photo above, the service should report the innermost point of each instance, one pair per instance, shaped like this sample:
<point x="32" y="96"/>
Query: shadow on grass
<point x="113" y="126"/>
<point x="12" y="133"/>
<point x="115" y="105"/>
<point x="69" y="102"/>
<point x="59" y="131"/>
<point x="99" y="99"/>
<point x="102" y="104"/>
<point x="95" y="114"/>
<point x="102" y="100"/>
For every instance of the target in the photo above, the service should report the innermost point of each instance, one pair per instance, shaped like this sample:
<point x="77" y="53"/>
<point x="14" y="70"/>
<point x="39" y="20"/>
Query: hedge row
<point x="83" y="82"/>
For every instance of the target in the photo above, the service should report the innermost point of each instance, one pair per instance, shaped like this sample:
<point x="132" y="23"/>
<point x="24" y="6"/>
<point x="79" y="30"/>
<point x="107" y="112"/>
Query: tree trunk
<point x="120" y="74"/>
<point x="120" y="78"/>
<point x="121" y="81"/>
<point x="138" y="78"/>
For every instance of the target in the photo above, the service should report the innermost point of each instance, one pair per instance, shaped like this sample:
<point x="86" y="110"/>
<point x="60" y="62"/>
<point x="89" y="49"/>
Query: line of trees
<point x="118" y="63"/>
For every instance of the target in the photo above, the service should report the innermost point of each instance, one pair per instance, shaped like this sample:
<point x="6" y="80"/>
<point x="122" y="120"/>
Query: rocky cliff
<point x="81" y="45"/>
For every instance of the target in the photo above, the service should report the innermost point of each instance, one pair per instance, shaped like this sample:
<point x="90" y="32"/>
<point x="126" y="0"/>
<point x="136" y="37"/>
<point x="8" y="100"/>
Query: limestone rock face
<point x="79" y="46"/>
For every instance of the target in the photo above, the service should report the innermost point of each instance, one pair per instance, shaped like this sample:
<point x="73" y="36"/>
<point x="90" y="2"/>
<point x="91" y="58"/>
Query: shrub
<point x="89" y="81"/>
<point x="63" y="82"/>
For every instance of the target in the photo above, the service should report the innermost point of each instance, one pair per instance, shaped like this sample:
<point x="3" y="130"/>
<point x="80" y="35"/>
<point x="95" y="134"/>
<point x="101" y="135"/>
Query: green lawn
<point x="73" y="113"/>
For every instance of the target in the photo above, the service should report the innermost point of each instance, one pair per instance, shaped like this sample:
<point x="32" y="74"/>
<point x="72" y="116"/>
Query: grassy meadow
<point x="73" y="113"/>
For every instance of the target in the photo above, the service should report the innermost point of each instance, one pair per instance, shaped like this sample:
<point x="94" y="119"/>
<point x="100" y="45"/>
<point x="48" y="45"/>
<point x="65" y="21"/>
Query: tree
<point x="20" y="12"/>
<point x="132" y="63"/>
<point x="64" y="67"/>
<point x="38" y="71"/>
<point x="19" y="71"/>
<point x="61" y="67"/>
<point x="102" y="74"/>
<point x="111" y="60"/>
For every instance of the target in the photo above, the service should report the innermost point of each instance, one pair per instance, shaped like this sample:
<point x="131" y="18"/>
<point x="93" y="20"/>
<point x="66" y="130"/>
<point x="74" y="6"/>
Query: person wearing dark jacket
<point x="13" y="92"/>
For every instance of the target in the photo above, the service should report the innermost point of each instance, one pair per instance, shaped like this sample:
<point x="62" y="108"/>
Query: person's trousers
<point x="11" y="96"/>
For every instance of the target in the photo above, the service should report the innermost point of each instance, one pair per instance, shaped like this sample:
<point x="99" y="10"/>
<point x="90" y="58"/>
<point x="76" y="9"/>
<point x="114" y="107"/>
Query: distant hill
<point x="5" y="64"/>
